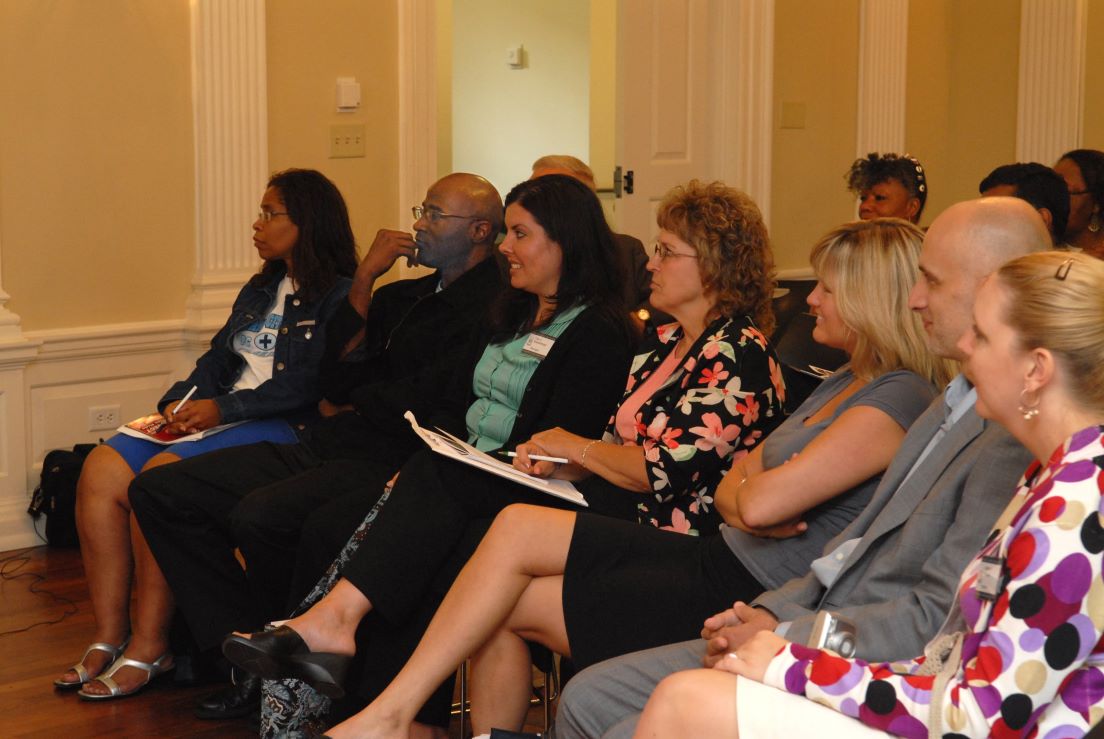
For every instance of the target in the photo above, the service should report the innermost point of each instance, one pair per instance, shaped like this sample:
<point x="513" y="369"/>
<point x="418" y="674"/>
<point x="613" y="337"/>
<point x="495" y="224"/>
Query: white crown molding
<point x="1051" y="96"/>
<point x="883" y="56"/>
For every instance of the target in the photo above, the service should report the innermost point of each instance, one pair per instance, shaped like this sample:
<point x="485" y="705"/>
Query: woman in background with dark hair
<point x="260" y="373"/>
<point x="1083" y="171"/>
<point x="699" y="392"/>
<point x="888" y="186"/>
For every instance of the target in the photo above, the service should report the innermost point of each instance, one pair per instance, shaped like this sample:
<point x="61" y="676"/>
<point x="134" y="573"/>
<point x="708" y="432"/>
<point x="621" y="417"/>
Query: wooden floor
<point x="45" y="624"/>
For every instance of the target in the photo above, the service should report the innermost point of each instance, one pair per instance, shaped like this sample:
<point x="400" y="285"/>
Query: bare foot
<point x="369" y="724"/>
<point x="130" y="679"/>
<point x="323" y="629"/>
<point x="95" y="662"/>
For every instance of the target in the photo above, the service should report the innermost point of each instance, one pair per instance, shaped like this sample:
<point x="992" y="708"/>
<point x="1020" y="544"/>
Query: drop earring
<point x="1028" y="409"/>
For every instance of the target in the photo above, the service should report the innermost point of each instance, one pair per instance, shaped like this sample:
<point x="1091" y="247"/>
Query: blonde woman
<point x="1021" y="651"/>
<point x="594" y="588"/>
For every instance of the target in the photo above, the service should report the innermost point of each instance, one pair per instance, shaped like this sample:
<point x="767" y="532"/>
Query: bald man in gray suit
<point x="893" y="572"/>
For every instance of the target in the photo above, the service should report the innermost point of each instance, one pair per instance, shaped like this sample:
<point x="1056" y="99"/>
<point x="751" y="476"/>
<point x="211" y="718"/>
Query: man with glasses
<point x="385" y="348"/>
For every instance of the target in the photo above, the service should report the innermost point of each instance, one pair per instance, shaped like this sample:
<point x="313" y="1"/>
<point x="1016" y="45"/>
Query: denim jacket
<point x="300" y="345"/>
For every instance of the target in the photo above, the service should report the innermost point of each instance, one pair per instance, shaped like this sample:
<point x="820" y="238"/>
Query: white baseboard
<point x="48" y="384"/>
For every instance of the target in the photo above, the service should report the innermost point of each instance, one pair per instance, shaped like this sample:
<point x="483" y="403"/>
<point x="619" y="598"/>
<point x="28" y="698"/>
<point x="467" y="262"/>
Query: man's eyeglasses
<point x="265" y="216"/>
<point x="433" y="215"/>
<point x="664" y="252"/>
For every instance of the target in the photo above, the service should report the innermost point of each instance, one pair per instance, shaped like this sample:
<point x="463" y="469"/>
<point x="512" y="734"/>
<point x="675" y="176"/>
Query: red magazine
<point x="154" y="428"/>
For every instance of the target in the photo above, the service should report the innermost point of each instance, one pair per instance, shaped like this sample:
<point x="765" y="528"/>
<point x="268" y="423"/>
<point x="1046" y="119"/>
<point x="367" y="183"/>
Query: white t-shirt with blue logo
<point x="256" y="343"/>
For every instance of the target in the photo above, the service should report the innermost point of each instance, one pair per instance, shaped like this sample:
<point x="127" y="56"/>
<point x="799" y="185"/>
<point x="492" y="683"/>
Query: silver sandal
<point x="153" y="669"/>
<point x="82" y="671"/>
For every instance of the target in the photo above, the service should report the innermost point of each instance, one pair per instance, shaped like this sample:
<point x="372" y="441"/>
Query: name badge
<point x="989" y="578"/>
<point x="538" y="345"/>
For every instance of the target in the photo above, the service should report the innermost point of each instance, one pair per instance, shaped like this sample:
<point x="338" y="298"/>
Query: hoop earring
<point x="1094" y="223"/>
<point x="1026" y="409"/>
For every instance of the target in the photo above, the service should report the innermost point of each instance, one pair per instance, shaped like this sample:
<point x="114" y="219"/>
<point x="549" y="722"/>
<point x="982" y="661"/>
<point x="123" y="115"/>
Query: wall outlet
<point x="103" y="417"/>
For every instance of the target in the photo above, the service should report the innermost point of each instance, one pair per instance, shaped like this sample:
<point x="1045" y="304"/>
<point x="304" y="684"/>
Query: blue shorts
<point x="137" y="452"/>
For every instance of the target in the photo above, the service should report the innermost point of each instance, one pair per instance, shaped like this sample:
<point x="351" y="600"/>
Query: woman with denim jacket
<point x="259" y="373"/>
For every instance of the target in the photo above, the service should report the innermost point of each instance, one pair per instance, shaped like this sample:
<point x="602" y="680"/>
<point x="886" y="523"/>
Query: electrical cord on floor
<point x="9" y="572"/>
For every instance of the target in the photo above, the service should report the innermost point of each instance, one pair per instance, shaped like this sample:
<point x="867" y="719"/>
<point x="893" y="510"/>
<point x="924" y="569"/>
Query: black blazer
<point x="575" y="387"/>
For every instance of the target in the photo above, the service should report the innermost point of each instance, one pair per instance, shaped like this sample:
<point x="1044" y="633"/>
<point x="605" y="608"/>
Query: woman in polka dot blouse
<point x="1021" y="654"/>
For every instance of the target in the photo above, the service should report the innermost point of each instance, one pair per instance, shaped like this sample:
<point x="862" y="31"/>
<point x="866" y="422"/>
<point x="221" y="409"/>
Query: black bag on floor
<point x="56" y="494"/>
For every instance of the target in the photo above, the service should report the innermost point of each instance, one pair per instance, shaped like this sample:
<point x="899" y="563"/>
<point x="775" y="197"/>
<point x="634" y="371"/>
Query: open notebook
<point x="448" y="445"/>
<point x="154" y="428"/>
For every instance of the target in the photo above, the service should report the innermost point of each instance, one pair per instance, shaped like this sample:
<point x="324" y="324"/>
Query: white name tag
<point x="538" y="345"/>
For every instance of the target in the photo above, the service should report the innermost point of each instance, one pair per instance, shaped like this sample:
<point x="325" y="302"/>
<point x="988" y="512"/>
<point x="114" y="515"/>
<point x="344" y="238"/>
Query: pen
<point x="184" y="399"/>
<point x="540" y="457"/>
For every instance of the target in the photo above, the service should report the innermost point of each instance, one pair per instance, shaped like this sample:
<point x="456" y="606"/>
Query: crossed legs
<point x="509" y="591"/>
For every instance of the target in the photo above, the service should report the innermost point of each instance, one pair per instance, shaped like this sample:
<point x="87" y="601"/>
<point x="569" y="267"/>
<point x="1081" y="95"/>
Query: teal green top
<point x="499" y="383"/>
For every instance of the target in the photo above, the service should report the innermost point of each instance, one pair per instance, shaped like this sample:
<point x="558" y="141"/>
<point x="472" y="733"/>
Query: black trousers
<point x="425" y="533"/>
<point x="258" y="498"/>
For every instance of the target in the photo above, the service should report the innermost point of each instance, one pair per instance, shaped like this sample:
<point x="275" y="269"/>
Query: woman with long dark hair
<point x="259" y="373"/>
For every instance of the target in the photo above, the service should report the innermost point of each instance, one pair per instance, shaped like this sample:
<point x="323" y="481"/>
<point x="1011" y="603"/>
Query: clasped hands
<point x="741" y="640"/>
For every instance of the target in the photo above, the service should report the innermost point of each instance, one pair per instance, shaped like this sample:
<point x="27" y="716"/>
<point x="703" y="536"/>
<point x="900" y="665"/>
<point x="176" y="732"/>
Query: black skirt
<point x="631" y="586"/>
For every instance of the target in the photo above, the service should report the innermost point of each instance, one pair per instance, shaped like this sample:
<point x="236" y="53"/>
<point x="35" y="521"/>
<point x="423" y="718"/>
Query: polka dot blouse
<point x="1032" y="658"/>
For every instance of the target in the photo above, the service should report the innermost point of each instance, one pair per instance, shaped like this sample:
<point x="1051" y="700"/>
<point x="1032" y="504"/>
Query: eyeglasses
<point x="264" y="216"/>
<point x="433" y="215"/>
<point x="662" y="252"/>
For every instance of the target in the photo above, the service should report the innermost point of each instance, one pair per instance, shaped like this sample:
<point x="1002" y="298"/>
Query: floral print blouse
<point x="1032" y="657"/>
<point x="723" y="399"/>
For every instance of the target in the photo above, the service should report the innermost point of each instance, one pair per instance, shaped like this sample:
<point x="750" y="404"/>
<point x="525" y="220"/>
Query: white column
<point x="1052" y="78"/>
<point x="746" y="87"/>
<point x="10" y="329"/>
<point x="15" y="353"/>
<point x="417" y="107"/>
<point x="231" y="151"/>
<point x="883" y="53"/>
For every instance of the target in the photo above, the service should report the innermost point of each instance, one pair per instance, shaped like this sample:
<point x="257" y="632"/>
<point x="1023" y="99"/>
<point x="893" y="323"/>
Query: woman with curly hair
<point x="700" y="391"/>
<point x="888" y="186"/>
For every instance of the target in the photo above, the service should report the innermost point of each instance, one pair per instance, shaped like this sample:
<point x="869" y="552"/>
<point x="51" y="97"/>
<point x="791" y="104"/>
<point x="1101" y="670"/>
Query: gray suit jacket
<point x="917" y="537"/>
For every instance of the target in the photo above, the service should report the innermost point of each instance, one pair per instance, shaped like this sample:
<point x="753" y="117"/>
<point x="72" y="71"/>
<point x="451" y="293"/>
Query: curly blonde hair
<point x="871" y="266"/>
<point x="725" y="228"/>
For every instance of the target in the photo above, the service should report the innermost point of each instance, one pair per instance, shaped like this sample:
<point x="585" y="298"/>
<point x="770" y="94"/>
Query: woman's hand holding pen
<point x="552" y="443"/>
<point x="192" y="416"/>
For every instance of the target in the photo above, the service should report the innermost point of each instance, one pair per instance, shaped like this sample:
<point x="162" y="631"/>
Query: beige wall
<point x="502" y="118"/>
<point x="603" y="90"/>
<point x="1093" y="133"/>
<point x="96" y="147"/>
<point x="96" y="184"/>
<point x="815" y="65"/>
<point x="444" y="87"/>
<point x="960" y="108"/>
<point x="96" y="177"/>
<point x="962" y="86"/>
<point x="310" y="45"/>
